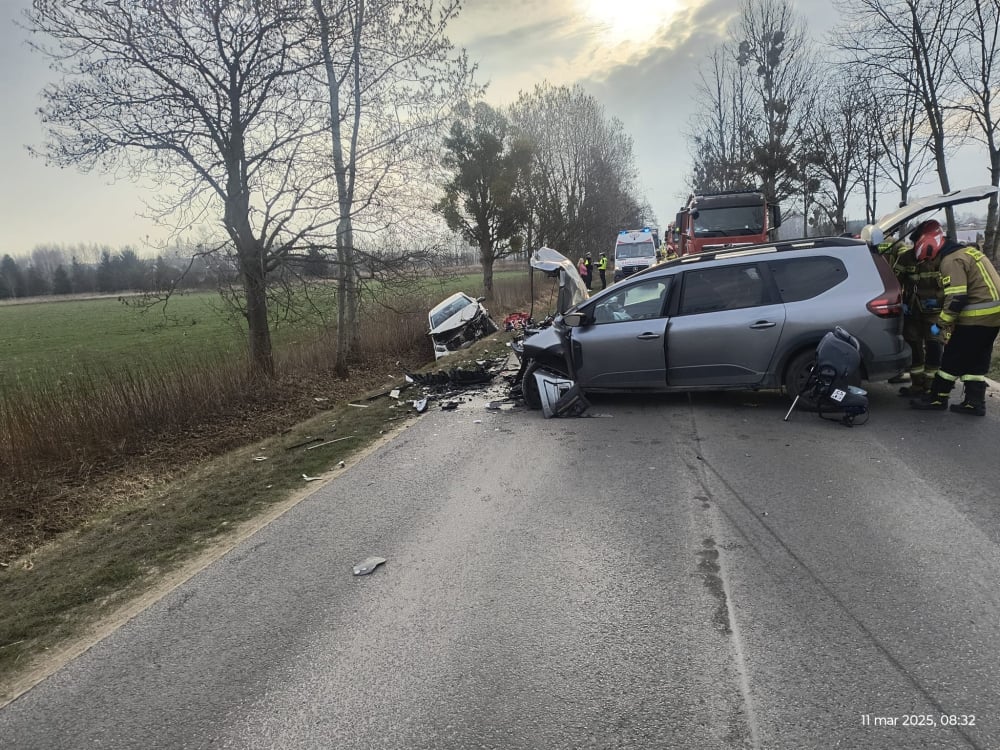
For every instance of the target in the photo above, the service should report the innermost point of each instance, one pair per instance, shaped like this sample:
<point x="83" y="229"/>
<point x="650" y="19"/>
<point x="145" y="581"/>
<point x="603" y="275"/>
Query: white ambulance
<point x="635" y="249"/>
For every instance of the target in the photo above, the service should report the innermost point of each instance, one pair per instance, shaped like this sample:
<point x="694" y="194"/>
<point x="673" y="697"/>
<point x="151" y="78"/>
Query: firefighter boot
<point x="936" y="397"/>
<point x="917" y="387"/>
<point x="974" y="400"/>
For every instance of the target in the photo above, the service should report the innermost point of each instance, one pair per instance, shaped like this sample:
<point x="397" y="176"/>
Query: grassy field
<point x="46" y="341"/>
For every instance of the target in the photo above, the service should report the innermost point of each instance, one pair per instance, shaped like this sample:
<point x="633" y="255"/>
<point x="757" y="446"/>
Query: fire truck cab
<point x="713" y="221"/>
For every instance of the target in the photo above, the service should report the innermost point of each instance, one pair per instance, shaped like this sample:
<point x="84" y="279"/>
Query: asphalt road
<point x="675" y="572"/>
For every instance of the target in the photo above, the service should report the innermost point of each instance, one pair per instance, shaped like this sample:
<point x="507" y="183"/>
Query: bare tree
<point x="582" y="186"/>
<point x="718" y="133"/>
<point x="210" y="96"/>
<point x="393" y="83"/>
<point x="905" y="43"/>
<point x="975" y="65"/>
<point x="834" y="138"/>
<point x="773" y="47"/>
<point x="904" y="137"/>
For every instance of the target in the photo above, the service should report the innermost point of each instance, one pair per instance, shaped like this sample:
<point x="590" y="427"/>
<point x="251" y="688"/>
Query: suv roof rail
<point x="771" y="247"/>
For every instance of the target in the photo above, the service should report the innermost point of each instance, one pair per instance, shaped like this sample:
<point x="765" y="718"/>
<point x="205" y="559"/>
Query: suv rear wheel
<point x="796" y="377"/>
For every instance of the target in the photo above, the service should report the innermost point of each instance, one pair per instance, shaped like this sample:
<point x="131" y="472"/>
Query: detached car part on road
<point x="457" y="322"/>
<point x="743" y="319"/>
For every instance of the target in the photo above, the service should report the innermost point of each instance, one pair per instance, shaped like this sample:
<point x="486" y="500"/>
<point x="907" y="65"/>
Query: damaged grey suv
<point x="748" y="318"/>
<point x="745" y="318"/>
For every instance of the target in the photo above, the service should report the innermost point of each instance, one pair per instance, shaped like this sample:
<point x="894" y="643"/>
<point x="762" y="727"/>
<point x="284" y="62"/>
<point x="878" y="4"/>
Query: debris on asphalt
<point x="311" y="479"/>
<point x="340" y="465"/>
<point x="367" y="565"/>
<point x="483" y="372"/>
<point x="394" y="393"/>
<point x="449" y="406"/>
<point x="359" y="406"/>
<point x="501" y="405"/>
<point x="420" y="405"/>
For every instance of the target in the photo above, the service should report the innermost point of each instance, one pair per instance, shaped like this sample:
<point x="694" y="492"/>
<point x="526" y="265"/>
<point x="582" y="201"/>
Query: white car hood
<point x="455" y="321"/>
<point x="876" y="233"/>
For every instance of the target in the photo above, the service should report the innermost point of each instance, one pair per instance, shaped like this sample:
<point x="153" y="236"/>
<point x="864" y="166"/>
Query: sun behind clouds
<point x="621" y="20"/>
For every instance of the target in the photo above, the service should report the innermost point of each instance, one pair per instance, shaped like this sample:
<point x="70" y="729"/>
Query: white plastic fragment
<point x="310" y="479"/>
<point x="367" y="565"/>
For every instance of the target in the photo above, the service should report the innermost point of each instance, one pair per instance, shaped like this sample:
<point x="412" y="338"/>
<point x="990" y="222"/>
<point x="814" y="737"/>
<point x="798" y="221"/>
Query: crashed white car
<point x="457" y="322"/>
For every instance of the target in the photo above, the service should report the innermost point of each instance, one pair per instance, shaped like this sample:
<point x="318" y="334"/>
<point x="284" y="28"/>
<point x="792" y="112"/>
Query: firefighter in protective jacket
<point x="922" y="300"/>
<point x="969" y="319"/>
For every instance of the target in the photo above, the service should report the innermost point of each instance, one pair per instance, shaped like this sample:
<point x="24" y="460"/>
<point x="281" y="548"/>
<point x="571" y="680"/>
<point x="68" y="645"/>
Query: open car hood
<point x="572" y="290"/>
<point x="876" y="233"/>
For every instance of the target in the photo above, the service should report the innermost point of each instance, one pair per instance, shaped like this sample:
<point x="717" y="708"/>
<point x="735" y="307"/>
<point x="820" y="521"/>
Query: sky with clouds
<point x="639" y="58"/>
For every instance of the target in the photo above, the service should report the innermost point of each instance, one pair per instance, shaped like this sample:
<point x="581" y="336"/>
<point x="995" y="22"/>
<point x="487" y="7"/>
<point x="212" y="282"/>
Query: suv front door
<point x="622" y="346"/>
<point x="725" y="330"/>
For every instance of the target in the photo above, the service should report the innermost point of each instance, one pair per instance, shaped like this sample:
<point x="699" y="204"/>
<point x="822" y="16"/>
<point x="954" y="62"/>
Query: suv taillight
<point x="889" y="304"/>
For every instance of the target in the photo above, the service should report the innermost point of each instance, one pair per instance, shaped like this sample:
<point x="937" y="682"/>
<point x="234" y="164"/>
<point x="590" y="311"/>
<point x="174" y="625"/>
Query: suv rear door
<point x="725" y="328"/>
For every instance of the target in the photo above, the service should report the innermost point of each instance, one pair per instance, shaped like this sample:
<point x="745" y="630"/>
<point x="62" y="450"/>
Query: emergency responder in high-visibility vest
<point x="602" y="269"/>
<point x="969" y="319"/>
<point x="922" y="299"/>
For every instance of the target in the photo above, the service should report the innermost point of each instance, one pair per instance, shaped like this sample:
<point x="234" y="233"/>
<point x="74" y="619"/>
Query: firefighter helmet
<point x="928" y="239"/>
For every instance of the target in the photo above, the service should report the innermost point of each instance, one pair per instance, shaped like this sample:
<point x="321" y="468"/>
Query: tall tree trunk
<point x="344" y="168"/>
<point x="486" y="257"/>
<point x="255" y="288"/>
<point x="251" y="254"/>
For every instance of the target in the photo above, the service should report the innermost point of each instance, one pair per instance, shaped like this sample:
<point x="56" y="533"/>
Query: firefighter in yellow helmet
<point x="969" y="319"/>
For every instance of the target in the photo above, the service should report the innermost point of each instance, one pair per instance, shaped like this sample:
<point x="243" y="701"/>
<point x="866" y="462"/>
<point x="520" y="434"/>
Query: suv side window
<point x="805" y="278"/>
<point x="722" y="288"/>
<point x="636" y="302"/>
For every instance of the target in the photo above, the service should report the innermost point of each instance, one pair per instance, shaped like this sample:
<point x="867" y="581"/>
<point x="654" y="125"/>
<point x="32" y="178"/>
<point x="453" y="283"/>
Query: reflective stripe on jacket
<point x="971" y="288"/>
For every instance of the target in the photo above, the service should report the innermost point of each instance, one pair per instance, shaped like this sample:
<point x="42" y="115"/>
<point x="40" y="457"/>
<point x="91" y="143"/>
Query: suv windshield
<point x="635" y="250"/>
<point x="729" y="221"/>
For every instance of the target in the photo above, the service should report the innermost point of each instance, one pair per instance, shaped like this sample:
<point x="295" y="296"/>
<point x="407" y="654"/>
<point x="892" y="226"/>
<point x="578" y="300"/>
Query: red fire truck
<point x="712" y="221"/>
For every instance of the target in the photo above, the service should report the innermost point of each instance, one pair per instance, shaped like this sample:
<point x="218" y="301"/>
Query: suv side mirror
<point x="573" y="319"/>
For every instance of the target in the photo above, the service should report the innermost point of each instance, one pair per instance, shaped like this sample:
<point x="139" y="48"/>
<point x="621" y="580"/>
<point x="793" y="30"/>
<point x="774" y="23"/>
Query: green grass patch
<point x="47" y="342"/>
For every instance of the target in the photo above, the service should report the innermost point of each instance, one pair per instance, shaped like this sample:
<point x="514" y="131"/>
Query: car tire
<point x="796" y="375"/>
<point x="529" y="387"/>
